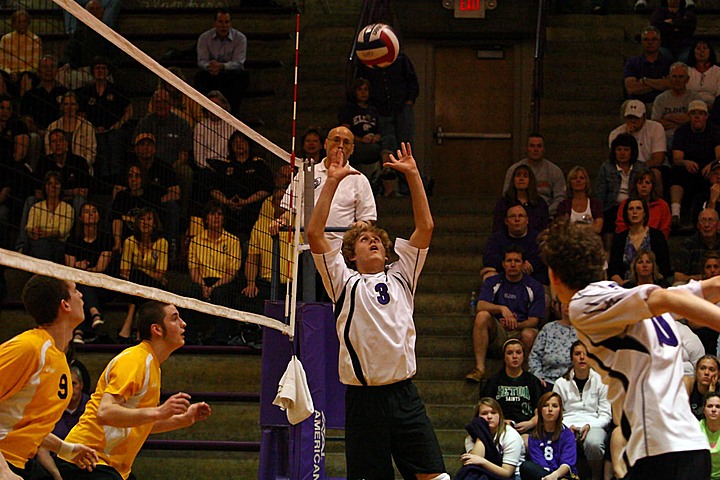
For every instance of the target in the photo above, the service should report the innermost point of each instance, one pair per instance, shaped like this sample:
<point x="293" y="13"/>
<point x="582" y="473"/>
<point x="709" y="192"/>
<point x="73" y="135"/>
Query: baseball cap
<point x="144" y="136"/>
<point x="714" y="166"/>
<point x="636" y="108"/>
<point x="697" y="105"/>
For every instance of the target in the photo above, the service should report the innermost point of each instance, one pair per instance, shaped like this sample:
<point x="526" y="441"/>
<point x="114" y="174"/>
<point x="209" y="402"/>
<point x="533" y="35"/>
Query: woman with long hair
<point x="710" y="425"/>
<point x="704" y="381"/>
<point x="644" y="270"/>
<point x="90" y="249"/>
<point x="587" y="408"/>
<point x="79" y="132"/>
<point x="645" y="187"/>
<point x="579" y="205"/>
<point x="492" y="448"/>
<point x="704" y="72"/>
<point x="144" y="261"/>
<point x="552" y="453"/>
<point x="522" y="191"/>
<point x="639" y="235"/>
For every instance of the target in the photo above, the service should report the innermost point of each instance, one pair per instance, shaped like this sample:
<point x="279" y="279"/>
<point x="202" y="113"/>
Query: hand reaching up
<point x="404" y="162"/>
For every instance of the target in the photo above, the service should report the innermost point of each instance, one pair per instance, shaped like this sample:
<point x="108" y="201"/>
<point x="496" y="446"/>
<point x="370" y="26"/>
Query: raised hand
<point x="404" y="162"/>
<point x="339" y="168"/>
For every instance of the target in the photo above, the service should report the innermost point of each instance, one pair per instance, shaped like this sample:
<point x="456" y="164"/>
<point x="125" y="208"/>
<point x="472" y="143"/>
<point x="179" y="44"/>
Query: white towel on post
<point x="294" y="394"/>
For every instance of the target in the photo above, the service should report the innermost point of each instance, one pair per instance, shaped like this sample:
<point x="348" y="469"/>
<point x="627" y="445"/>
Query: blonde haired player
<point x="385" y="418"/>
<point x="638" y="353"/>
<point x="35" y="385"/>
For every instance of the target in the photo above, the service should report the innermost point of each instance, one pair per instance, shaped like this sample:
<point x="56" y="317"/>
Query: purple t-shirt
<point x="525" y="298"/>
<point x="550" y="455"/>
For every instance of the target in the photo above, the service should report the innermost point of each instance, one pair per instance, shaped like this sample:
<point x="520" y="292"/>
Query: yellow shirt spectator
<point x="214" y="258"/>
<point x="56" y="223"/>
<point x="151" y="261"/>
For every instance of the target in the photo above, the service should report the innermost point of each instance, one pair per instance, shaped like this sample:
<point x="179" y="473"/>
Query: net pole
<point x="291" y="295"/>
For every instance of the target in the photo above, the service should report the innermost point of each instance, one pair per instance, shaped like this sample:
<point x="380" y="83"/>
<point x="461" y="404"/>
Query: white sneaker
<point x="640" y="5"/>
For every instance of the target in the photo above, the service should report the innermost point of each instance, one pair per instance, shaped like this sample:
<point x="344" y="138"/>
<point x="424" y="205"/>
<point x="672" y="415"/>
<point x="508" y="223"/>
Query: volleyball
<point x="377" y="45"/>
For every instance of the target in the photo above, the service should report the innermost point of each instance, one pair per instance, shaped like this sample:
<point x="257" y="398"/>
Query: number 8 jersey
<point x="374" y="314"/>
<point x="35" y="389"/>
<point x="640" y="359"/>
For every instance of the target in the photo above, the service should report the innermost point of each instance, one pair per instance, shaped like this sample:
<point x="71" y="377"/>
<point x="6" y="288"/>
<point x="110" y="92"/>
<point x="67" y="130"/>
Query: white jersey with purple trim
<point x="374" y="315"/>
<point x="640" y="359"/>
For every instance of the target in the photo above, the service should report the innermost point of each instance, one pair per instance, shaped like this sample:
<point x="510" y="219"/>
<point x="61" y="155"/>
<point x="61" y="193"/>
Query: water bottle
<point x="473" y="303"/>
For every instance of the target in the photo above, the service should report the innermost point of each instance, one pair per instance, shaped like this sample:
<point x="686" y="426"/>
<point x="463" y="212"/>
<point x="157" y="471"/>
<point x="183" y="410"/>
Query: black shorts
<point x="70" y="471"/>
<point x="689" y="465"/>
<point x="22" y="473"/>
<point x="385" y="423"/>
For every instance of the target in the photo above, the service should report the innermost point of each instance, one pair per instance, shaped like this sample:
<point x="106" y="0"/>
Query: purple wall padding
<point x="316" y="345"/>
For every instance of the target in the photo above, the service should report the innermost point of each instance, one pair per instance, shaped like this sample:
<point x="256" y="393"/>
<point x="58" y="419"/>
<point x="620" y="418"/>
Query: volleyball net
<point x="118" y="174"/>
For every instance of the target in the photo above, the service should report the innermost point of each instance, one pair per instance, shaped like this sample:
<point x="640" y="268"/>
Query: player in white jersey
<point x="634" y="344"/>
<point x="385" y="418"/>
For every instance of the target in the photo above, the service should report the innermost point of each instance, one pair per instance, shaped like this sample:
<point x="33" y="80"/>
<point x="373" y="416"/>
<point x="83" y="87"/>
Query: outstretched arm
<point x="684" y="303"/>
<point x="315" y="229"/>
<point x="405" y="163"/>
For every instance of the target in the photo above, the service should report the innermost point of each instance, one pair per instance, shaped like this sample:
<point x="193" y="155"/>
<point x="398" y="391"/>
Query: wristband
<point x="66" y="450"/>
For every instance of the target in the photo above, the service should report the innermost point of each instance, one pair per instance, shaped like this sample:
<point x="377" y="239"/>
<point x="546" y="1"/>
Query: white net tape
<point x="19" y="261"/>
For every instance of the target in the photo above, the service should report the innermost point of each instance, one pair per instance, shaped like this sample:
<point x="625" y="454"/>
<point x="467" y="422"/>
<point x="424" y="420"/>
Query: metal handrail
<point x="538" y="75"/>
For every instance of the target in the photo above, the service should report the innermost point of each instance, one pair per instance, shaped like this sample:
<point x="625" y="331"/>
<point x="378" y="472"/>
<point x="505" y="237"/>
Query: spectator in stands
<point x="492" y="446"/>
<point x="641" y="5"/>
<point x="645" y="75"/>
<point x="710" y="425"/>
<point x="258" y="266"/>
<point x="551" y="450"/>
<point x="79" y="132"/>
<point x="221" y="55"/>
<point x="516" y="390"/>
<point x="40" y="107"/>
<point x="644" y="270"/>
<point x="511" y="305"/>
<point x="214" y="260"/>
<point x="522" y="191"/>
<point x="393" y="91"/>
<point x="651" y="141"/>
<point x="70" y="417"/>
<point x="579" y="205"/>
<point x="707" y="336"/>
<point x="174" y="142"/>
<point x="74" y="177"/>
<point x="708" y="197"/>
<point x="548" y="359"/>
<point x="130" y="198"/>
<point x="704" y="72"/>
<point x="711" y="267"/>
<point x="180" y="104"/>
<point x="549" y="177"/>
<point x="312" y="144"/>
<point x="243" y="187"/>
<point x="106" y="106"/>
<point x="354" y="202"/>
<point x="587" y="408"/>
<point x="703" y="382"/>
<point x="211" y="139"/>
<point x="677" y="28"/>
<point x="107" y="11"/>
<point x="639" y="235"/>
<point x="49" y="222"/>
<point x="614" y="180"/>
<point x="14" y="141"/>
<point x="363" y="121"/>
<point x="695" y="147"/>
<point x="89" y="249"/>
<point x="691" y="257"/>
<point x="144" y="261"/>
<point x="20" y="53"/>
<point x="518" y="233"/>
<point x="670" y="108"/>
<point x="160" y="178"/>
<point x="644" y="187"/>
<point x="84" y="46"/>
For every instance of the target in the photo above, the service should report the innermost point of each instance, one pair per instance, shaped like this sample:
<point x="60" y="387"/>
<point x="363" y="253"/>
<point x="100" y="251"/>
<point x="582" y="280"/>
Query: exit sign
<point x="469" y="8"/>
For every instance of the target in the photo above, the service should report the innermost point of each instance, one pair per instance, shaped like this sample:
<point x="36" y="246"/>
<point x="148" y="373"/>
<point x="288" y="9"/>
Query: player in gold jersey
<point x="35" y="386"/>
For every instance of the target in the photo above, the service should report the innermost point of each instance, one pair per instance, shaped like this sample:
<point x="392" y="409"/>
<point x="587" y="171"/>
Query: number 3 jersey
<point x="35" y="389"/>
<point x="640" y="359"/>
<point x="374" y="315"/>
